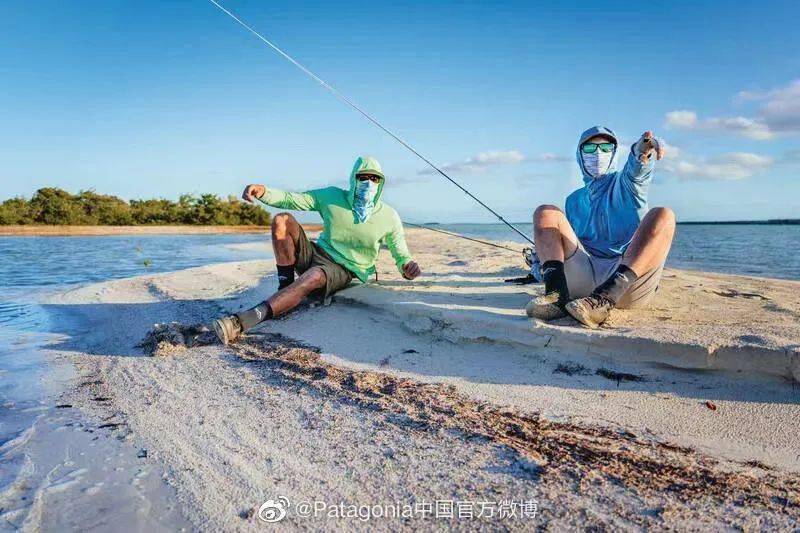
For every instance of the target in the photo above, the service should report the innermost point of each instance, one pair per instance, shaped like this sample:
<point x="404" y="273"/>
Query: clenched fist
<point x="648" y="146"/>
<point x="251" y="192"/>
<point x="411" y="270"/>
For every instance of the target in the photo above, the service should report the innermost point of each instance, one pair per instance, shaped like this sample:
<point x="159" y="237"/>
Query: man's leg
<point x="651" y="242"/>
<point x="555" y="241"/>
<point x="286" y="233"/>
<point x="283" y="301"/>
<point x="648" y="251"/>
<point x="287" y="299"/>
<point x="293" y="251"/>
<point x="554" y="238"/>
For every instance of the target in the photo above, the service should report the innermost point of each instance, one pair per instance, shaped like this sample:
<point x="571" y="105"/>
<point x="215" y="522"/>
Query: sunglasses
<point x="590" y="148"/>
<point x="371" y="177"/>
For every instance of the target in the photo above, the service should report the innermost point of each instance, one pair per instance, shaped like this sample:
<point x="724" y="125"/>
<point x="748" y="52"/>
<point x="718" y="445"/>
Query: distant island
<point x="774" y="221"/>
<point x="55" y="207"/>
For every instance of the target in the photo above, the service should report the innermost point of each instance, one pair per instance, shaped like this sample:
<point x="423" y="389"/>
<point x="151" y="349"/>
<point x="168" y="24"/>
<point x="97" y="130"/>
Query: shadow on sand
<point x="116" y="329"/>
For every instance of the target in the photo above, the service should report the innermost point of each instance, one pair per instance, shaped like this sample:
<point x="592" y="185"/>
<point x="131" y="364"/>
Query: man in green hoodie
<point x="355" y="224"/>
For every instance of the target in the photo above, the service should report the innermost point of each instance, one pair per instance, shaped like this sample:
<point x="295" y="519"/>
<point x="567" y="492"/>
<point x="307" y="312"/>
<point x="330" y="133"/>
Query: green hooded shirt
<point x="352" y="244"/>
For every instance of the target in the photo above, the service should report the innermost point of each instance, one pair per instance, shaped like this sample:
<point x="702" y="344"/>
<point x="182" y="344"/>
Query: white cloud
<point x="748" y="96"/>
<point x="781" y="109"/>
<point x="550" y="157"/>
<point x="681" y="119"/>
<point x="670" y="150"/>
<point x="777" y="114"/>
<point x="482" y="162"/>
<point x="688" y="120"/>
<point x="486" y="161"/>
<point x="730" y="166"/>
<point x="746" y="127"/>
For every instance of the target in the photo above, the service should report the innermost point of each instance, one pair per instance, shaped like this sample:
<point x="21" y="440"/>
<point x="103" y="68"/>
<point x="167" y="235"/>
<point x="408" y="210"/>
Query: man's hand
<point x="411" y="270"/>
<point x="647" y="146"/>
<point x="251" y="192"/>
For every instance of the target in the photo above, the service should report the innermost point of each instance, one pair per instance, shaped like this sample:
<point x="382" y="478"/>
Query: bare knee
<point x="313" y="278"/>
<point x="547" y="214"/>
<point x="665" y="214"/>
<point x="658" y="223"/>
<point x="662" y="220"/>
<point x="281" y="224"/>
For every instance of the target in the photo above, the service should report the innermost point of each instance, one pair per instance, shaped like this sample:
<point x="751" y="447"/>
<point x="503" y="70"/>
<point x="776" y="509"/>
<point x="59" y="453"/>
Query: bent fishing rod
<point x="366" y="115"/>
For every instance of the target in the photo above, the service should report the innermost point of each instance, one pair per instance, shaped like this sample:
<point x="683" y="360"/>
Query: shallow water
<point x="748" y="249"/>
<point x="47" y="261"/>
<point x="32" y="267"/>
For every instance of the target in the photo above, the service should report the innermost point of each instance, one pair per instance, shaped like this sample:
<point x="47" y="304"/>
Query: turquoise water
<point x="750" y="249"/>
<point x="32" y="267"/>
<point x="47" y="261"/>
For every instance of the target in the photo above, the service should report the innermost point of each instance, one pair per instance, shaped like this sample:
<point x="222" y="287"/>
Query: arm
<point x="396" y="242"/>
<point x="302" y="201"/>
<point x="639" y="167"/>
<point x="635" y="171"/>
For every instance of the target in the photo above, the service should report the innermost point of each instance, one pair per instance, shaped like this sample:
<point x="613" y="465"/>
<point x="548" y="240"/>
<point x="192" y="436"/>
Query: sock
<point x="285" y="276"/>
<point x="617" y="285"/>
<point x="555" y="280"/>
<point x="256" y="315"/>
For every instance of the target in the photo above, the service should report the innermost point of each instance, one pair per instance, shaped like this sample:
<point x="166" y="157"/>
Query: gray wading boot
<point x="590" y="311"/>
<point x="545" y="307"/>
<point x="227" y="329"/>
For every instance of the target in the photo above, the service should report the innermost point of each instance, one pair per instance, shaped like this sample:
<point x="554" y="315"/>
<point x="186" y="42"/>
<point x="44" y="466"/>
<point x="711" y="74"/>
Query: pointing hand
<point x="251" y="192"/>
<point x="648" y="146"/>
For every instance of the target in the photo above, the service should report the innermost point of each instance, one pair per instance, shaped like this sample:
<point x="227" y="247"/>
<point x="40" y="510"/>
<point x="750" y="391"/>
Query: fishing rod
<point x="366" y="115"/>
<point x="437" y="230"/>
<point x="527" y="253"/>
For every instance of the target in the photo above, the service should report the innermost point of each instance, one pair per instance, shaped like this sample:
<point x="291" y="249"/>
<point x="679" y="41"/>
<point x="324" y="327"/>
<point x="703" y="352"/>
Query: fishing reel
<point x="535" y="274"/>
<point x="528" y="256"/>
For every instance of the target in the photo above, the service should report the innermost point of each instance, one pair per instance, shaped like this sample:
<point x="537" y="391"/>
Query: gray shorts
<point x="308" y="255"/>
<point x="585" y="272"/>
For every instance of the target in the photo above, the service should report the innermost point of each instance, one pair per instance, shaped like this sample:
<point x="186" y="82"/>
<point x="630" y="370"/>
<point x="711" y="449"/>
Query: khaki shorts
<point x="584" y="272"/>
<point x="308" y="255"/>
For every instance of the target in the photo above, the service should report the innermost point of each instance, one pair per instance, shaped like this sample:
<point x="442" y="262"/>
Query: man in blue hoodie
<point x="607" y="249"/>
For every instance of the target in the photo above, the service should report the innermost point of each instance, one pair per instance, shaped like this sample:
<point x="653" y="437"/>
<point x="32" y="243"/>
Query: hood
<point x="585" y="136"/>
<point x="364" y="164"/>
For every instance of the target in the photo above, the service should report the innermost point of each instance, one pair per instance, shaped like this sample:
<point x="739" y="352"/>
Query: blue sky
<point x="156" y="98"/>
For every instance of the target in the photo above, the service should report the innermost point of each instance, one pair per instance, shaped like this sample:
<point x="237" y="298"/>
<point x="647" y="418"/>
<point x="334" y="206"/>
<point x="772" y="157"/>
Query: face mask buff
<point x="597" y="164"/>
<point x="365" y="199"/>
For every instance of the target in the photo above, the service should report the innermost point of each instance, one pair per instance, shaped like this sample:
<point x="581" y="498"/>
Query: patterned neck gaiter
<point x="364" y="200"/>
<point x="598" y="163"/>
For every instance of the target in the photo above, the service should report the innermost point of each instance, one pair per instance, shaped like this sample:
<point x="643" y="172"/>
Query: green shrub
<point x="87" y="208"/>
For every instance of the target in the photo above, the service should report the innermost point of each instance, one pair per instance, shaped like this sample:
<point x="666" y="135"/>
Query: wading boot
<point x="590" y="311"/>
<point x="546" y="307"/>
<point x="227" y="329"/>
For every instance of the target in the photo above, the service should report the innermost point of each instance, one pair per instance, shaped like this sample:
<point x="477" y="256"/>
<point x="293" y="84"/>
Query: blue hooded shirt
<point x="606" y="211"/>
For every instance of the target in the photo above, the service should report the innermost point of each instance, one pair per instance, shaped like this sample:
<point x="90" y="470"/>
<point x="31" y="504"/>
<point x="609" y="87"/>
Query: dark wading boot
<point x="227" y="329"/>
<point x="590" y="311"/>
<point x="546" y="307"/>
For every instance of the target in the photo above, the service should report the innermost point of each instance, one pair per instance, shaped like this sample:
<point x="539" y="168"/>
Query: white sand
<point x="230" y="434"/>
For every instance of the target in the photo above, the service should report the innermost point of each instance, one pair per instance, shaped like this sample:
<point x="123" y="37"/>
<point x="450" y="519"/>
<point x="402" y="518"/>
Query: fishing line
<point x="464" y="237"/>
<point x="366" y="115"/>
